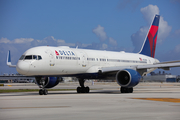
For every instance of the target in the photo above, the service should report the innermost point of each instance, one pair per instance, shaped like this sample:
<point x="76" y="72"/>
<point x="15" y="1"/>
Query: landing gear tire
<point x="130" y="90"/>
<point x="43" y="92"/>
<point x="79" y="90"/>
<point x="87" y="89"/>
<point x="126" y="90"/>
<point x="83" y="89"/>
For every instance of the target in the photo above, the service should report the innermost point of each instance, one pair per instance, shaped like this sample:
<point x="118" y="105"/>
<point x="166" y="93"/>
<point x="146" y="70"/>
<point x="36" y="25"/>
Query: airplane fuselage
<point x="65" y="61"/>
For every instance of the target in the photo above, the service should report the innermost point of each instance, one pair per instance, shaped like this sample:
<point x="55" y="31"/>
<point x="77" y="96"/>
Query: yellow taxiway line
<point x="175" y="100"/>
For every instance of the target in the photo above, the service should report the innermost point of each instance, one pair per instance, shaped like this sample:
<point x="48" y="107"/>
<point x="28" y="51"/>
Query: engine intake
<point x="47" y="82"/>
<point x="128" y="78"/>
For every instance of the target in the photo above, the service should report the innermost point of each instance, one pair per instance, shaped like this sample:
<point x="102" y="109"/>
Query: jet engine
<point x="47" y="82"/>
<point x="128" y="78"/>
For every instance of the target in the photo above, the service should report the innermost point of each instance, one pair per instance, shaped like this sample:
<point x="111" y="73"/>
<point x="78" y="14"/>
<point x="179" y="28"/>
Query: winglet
<point x="9" y="60"/>
<point x="149" y="45"/>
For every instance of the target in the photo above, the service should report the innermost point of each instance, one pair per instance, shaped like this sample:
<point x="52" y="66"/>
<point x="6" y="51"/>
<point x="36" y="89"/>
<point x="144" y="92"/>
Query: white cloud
<point x="138" y="38"/>
<point x="171" y="54"/>
<point x="60" y="41"/>
<point x="149" y="12"/>
<point x="16" y="41"/>
<point x="99" y="31"/>
<point x="104" y="46"/>
<point x="85" y="45"/>
<point x="51" y="41"/>
<point x="176" y="33"/>
<point x="177" y="49"/>
<point x="112" y="41"/>
<point x="23" y="40"/>
<point x="4" y="40"/>
<point x="164" y="29"/>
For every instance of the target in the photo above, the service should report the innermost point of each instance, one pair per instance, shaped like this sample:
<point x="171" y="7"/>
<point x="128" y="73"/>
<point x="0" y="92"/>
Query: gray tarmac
<point x="157" y="101"/>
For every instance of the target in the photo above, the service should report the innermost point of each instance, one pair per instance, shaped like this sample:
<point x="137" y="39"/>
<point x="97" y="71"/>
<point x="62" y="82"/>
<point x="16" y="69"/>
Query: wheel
<point x="123" y="90"/>
<point x="83" y="90"/>
<point x="41" y="92"/>
<point x="79" y="90"/>
<point x="126" y="90"/>
<point x="45" y="92"/>
<point x="130" y="90"/>
<point x="87" y="89"/>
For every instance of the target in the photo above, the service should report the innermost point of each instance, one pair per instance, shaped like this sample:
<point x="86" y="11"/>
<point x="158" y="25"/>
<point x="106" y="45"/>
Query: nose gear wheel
<point x="43" y="92"/>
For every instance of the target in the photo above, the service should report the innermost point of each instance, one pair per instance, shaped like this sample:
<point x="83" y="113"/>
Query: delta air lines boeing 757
<point x="49" y="64"/>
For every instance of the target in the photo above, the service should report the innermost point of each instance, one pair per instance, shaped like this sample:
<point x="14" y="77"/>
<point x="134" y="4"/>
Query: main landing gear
<point x="126" y="90"/>
<point x="82" y="89"/>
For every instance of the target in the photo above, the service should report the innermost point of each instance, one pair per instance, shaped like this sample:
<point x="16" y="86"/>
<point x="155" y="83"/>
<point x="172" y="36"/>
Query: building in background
<point x="160" y="77"/>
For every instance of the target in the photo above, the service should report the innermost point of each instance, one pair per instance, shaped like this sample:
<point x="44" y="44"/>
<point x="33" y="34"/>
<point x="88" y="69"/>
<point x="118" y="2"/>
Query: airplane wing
<point x="9" y="60"/>
<point x="162" y="65"/>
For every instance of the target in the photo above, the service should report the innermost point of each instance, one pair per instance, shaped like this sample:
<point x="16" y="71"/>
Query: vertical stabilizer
<point x="9" y="60"/>
<point x="149" y="45"/>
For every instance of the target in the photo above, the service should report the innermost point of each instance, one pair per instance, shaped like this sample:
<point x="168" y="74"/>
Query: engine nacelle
<point x="128" y="78"/>
<point x="47" y="82"/>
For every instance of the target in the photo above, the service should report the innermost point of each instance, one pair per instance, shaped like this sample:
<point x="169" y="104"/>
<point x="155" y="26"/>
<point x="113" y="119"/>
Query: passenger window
<point x="35" y="57"/>
<point x="28" y="57"/>
<point x="39" y="57"/>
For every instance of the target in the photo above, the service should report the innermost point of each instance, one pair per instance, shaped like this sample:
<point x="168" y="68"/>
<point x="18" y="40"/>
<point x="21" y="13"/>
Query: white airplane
<point x="49" y="64"/>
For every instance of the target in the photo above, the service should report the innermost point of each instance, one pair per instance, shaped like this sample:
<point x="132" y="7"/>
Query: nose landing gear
<point x="43" y="92"/>
<point x="42" y="82"/>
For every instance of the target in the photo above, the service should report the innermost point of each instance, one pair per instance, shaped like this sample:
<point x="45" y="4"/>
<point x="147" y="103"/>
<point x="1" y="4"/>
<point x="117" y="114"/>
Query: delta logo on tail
<point x="151" y="39"/>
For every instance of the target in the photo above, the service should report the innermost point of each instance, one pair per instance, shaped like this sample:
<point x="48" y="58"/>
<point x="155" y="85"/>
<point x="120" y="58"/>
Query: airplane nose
<point x="22" y="67"/>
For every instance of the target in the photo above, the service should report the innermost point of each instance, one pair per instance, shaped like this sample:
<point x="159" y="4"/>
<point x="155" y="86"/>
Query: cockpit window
<point x="39" y="57"/>
<point x="22" y="57"/>
<point x="28" y="57"/>
<point x="35" y="57"/>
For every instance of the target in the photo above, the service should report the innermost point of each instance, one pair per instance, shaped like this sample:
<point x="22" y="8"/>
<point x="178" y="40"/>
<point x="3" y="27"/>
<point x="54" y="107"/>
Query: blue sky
<point x="114" y="25"/>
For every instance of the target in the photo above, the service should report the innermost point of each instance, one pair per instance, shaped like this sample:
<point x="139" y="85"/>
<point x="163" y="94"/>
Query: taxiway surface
<point x="149" y="101"/>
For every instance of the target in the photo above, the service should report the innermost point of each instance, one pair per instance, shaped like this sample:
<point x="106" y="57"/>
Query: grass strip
<point x="30" y="90"/>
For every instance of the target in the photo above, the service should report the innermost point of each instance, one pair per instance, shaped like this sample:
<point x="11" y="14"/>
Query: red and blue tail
<point x="149" y="45"/>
